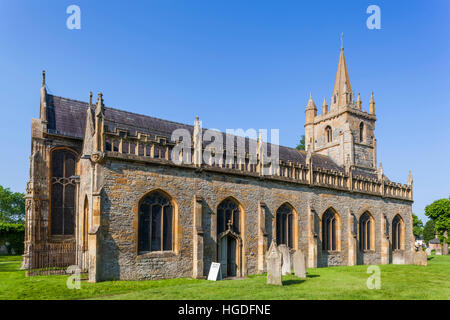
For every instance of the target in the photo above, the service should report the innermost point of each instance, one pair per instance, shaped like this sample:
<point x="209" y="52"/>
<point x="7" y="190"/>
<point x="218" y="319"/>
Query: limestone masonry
<point x="105" y="192"/>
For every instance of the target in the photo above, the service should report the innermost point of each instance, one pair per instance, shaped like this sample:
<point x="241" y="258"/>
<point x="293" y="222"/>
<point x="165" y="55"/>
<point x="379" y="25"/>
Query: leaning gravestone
<point x="299" y="264"/>
<point x="286" y="256"/>
<point x="428" y="251"/>
<point x="274" y="265"/>
<point x="215" y="272"/>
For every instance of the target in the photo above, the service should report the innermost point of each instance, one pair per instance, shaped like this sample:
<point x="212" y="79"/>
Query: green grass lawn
<point x="397" y="282"/>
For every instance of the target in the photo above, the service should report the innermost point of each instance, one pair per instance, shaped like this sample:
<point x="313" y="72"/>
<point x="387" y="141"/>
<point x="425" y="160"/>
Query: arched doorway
<point x="229" y="239"/>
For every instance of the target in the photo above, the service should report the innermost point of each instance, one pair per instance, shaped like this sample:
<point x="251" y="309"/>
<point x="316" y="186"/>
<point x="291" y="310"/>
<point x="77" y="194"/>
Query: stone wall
<point x="126" y="182"/>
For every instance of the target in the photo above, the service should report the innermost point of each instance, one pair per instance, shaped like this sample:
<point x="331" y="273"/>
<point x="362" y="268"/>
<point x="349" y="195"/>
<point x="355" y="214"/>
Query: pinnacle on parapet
<point x="100" y="99"/>
<point x="359" y="102"/>
<point x="90" y="100"/>
<point x="324" y="106"/>
<point x="311" y="104"/>
<point x="99" y="107"/>
<point x="43" y="78"/>
<point x="372" y="104"/>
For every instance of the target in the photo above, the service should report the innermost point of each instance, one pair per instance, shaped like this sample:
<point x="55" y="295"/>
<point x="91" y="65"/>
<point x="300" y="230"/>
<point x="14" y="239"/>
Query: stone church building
<point x="104" y="187"/>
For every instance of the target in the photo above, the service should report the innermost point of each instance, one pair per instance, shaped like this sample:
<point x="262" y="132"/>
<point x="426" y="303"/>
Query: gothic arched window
<point x="284" y="226"/>
<point x="329" y="134"/>
<point x="365" y="232"/>
<point x="155" y="226"/>
<point x="396" y="232"/>
<point x="329" y="230"/>
<point x="228" y="216"/>
<point x="361" y="132"/>
<point x="62" y="216"/>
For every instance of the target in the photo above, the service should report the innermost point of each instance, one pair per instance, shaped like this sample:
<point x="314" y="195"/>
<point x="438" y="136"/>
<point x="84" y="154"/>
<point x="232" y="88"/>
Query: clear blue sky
<point x="236" y="64"/>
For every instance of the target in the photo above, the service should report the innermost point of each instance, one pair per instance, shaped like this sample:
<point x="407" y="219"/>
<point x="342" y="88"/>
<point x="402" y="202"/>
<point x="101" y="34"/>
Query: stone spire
<point x="324" y="107"/>
<point x="342" y="87"/>
<point x="43" y="109"/>
<point x="311" y="110"/>
<point x="372" y="104"/>
<point x="359" y="102"/>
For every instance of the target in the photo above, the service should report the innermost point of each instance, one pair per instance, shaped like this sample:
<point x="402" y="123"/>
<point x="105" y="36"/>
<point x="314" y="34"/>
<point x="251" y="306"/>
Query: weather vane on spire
<point x="342" y="40"/>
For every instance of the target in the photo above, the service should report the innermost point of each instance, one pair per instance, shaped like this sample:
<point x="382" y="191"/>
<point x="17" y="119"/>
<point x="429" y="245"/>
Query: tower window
<point x="361" y="132"/>
<point x="329" y="134"/>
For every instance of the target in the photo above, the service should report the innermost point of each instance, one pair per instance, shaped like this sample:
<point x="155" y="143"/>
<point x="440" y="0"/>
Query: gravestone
<point x="215" y="272"/>
<point x="273" y="261"/>
<point x="299" y="264"/>
<point x="428" y="251"/>
<point x="439" y="251"/>
<point x="420" y="258"/>
<point x="398" y="257"/>
<point x="445" y="243"/>
<point x="286" y="259"/>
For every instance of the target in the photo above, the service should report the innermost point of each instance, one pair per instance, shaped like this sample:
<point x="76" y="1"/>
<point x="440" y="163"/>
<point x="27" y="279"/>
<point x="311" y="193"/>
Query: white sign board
<point x="215" y="272"/>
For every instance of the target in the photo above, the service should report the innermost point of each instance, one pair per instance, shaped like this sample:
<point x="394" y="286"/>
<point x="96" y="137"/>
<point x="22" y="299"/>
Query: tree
<point x="428" y="230"/>
<point x="439" y="211"/>
<point x="12" y="206"/>
<point x="301" y="145"/>
<point x="417" y="226"/>
<point x="12" y="236"/>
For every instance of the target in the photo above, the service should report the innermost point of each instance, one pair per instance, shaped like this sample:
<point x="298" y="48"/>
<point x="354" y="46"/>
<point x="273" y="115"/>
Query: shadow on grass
<point x="430" y="258"/>
<point x="312" y="276"/>
<point x="291" y="282"/>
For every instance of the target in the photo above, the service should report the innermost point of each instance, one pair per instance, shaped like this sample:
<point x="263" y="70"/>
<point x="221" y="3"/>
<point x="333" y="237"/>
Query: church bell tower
<point x="344" y="132"/>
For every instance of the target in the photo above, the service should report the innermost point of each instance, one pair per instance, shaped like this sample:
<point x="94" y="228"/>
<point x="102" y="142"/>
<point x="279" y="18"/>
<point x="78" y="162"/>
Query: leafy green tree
<point x="428" y="230"/>
<point x="439" y="211"/>
<point x="12" y="206"/>
<point x="417" y="226"/>
<point x="301" y="145"/>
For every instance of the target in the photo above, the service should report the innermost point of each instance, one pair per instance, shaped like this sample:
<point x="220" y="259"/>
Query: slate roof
<point x="434" y="241"/>
<point x="67" y="117"/>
